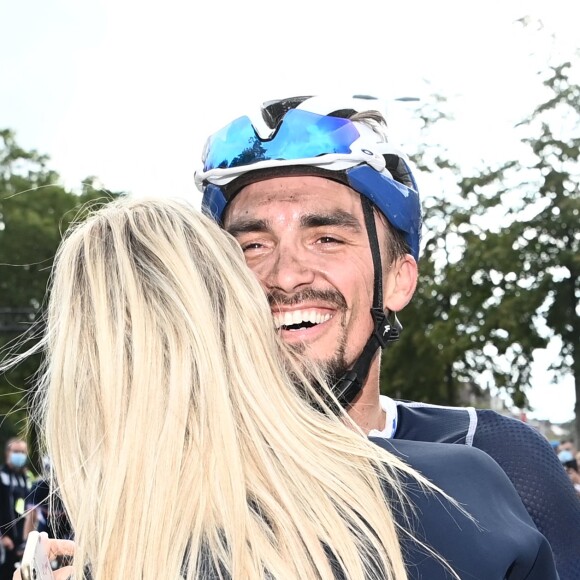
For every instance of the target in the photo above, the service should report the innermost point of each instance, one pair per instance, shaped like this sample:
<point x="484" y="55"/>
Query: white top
<point x="390" y="408"/>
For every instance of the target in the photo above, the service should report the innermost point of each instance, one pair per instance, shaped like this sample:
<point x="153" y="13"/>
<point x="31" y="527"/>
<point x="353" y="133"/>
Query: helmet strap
<point x="385" y="331"/>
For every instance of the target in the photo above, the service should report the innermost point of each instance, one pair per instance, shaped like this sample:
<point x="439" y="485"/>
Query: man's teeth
<point x="299" y="317"/>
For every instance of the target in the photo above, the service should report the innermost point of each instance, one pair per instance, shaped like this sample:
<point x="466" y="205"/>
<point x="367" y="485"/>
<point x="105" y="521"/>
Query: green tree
<point x="34" y="212"/>
<point x="499" y="272"/>
<point x="442" y="356"/>
<point x="536" y="257"/>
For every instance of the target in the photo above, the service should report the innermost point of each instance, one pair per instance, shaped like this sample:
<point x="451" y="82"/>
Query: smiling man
<point x="328" y="216"/>
<point x="307" y="242"/>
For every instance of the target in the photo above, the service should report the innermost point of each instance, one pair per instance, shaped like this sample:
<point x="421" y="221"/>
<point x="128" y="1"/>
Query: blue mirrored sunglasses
<point x="300" y="135"/>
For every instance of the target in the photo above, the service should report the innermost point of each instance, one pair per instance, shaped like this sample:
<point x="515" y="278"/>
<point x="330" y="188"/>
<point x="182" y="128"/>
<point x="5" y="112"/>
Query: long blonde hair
<point x="181" y="445"/>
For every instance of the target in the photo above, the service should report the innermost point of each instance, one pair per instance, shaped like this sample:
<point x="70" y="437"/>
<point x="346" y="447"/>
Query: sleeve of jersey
<point x="543" y="485"/>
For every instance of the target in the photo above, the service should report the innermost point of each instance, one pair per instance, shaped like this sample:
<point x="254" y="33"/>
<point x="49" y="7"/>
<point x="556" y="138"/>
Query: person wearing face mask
<point x="14" y="487"/>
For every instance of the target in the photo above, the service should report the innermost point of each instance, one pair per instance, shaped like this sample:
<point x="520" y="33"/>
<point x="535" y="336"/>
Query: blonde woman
<point x="186" y="443"/>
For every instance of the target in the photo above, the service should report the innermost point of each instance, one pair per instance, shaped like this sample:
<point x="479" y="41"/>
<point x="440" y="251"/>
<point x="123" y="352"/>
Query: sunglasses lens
<point x="301" y="135"/>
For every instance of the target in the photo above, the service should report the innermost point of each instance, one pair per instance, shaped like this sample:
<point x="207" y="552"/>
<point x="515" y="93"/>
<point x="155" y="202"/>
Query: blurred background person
<point x="567" y="445"/>
<point x="14" y="488"/>
<point x="570" y="464"/>
<point x="44" y="511"/>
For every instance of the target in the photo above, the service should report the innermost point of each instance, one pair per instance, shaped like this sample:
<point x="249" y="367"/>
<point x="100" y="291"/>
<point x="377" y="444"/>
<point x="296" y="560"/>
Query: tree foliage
<point x="499" y="271"/>
<point x="545" y="231"/>
<point x="34" y="212"/>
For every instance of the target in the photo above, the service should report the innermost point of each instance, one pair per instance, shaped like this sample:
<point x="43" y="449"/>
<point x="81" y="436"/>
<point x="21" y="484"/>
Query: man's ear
<point x="400" y="283"/>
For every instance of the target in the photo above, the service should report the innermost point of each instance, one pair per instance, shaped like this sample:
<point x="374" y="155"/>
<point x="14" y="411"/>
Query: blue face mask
<point x="17" y="459"/>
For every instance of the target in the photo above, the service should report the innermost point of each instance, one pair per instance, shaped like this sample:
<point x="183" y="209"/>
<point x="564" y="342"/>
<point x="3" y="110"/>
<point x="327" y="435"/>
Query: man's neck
<point x="368" y="419"/>
<point x="366" y="410"/>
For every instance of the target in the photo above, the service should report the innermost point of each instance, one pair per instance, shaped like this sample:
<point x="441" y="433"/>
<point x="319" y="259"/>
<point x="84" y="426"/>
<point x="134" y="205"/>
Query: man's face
<point x="306" y="241"/>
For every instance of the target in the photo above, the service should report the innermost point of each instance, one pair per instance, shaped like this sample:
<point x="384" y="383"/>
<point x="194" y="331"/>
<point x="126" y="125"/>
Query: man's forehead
<point x="305" y="194"/>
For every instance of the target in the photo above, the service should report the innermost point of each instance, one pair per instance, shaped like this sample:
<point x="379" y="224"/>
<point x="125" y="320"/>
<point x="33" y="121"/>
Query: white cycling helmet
<point x="312" y="135"/>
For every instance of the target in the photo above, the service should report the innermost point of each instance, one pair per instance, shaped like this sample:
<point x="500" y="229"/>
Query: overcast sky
<point x="128" y="90"/>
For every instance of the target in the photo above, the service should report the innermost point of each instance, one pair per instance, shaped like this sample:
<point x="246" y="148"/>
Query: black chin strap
<point x="385" y="331"/>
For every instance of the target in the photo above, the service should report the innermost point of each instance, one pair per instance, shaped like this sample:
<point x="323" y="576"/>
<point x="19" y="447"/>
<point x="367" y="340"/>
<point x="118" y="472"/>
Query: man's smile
<point x="303" y="324"/>
<point x="293" y="320"/>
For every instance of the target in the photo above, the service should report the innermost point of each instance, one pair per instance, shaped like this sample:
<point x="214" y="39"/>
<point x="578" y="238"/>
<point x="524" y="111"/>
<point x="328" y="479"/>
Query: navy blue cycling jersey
<point x="500" y="543"/>
<point x="525" y="456"/>
<point x="496" y="541"/>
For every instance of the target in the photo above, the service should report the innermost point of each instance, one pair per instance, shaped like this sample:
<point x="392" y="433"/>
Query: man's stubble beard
<point x="333" y="368"/>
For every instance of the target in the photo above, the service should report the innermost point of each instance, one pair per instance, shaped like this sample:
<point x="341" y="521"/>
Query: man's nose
<point x="288" y="271"/>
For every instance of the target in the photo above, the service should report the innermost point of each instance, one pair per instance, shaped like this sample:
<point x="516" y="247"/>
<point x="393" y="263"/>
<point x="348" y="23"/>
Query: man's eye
<point x="251" y="246"/>
<point x="328" y="240"/>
